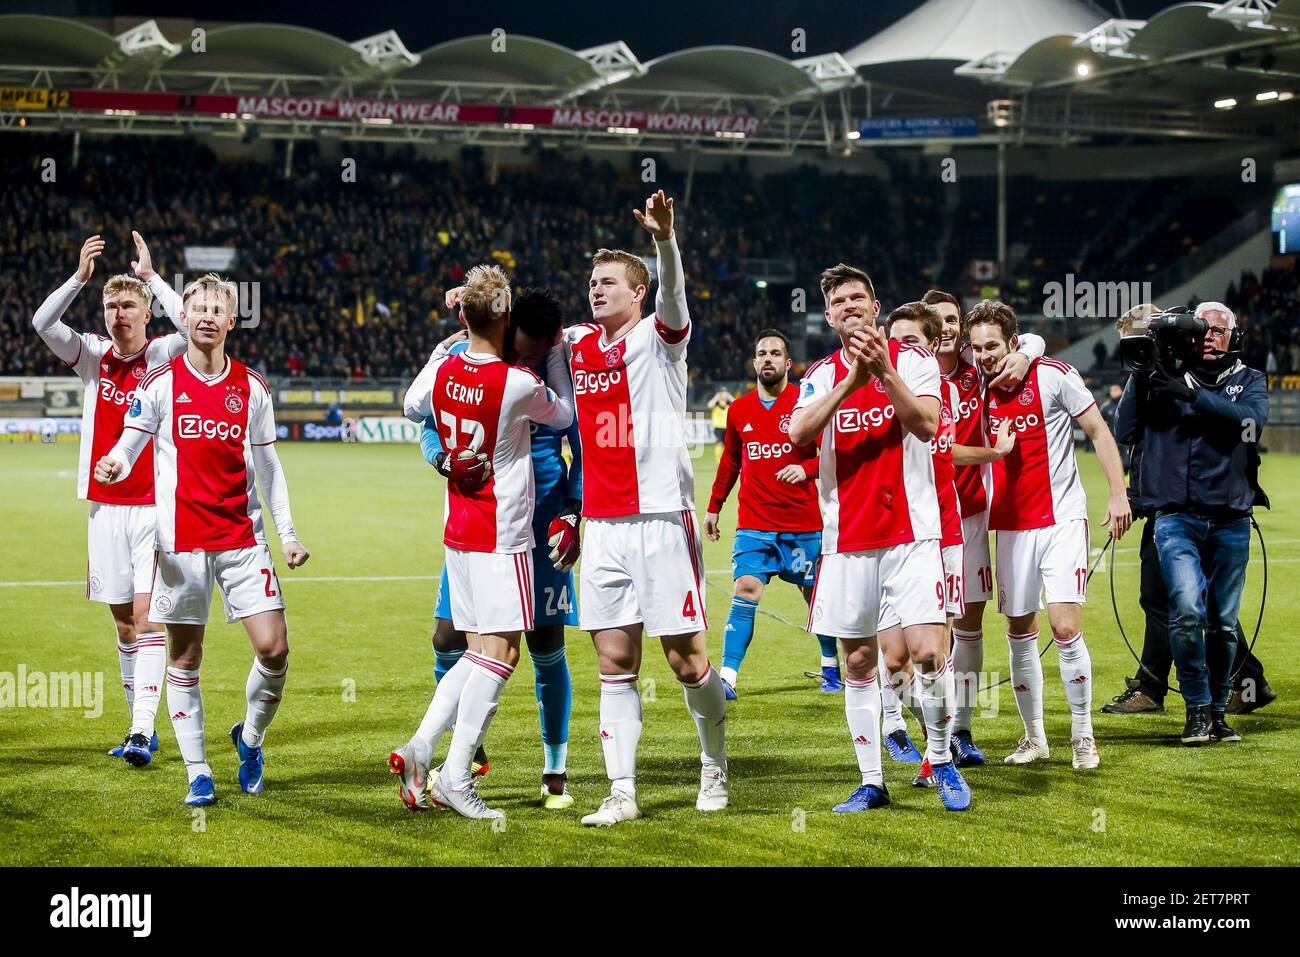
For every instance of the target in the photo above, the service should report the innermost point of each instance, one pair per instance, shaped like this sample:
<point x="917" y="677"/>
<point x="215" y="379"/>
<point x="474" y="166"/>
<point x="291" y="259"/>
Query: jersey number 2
<point x="270" y="592"/>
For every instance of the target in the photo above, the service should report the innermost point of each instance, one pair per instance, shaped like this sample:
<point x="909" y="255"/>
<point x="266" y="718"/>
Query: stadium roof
<point x="1056" y="69"/>
<point x="968" y="29"/>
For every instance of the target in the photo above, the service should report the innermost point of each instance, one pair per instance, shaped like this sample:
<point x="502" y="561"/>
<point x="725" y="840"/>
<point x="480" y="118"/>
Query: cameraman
<point x="1197" y="413"/>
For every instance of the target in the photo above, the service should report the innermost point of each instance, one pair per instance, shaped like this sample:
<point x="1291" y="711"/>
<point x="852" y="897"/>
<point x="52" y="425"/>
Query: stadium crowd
<point x="352" y="274"/>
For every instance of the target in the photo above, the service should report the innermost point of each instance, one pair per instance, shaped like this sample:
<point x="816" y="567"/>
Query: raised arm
<point x="168" y="298"/>
<point x="48" y="321"/>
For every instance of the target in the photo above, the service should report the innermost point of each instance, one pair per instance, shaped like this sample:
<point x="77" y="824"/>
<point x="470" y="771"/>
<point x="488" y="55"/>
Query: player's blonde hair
<point x="1137" y="315"/>
<point x="485" y="298"/>
<point x="126" y="283"/>
<point x="634" y="266"/>
<point x="211" y="282"/>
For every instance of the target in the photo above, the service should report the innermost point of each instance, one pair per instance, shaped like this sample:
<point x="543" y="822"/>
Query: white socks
<point x="967" y="663"/>
<point x="891" y="707"/>
<point x="708" y="706"/>
<point x="1027" y="682"/>
<point x="620" y="729"/>
<point x="937" y="694"/>
<point x="478" y="704"/>
<point x="126" y="663"/>
<point x="150" y="668"/>
<point x="862" y="708"/>
<point x="441" y="713"/>
<point x="1076" y="675"/>
<point x="185" y="702"/>
<point x="263" y="691"/>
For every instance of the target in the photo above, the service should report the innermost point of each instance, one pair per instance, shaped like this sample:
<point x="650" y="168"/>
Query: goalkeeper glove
<point x="562" y="536"/>
<point x="469" y="469"/>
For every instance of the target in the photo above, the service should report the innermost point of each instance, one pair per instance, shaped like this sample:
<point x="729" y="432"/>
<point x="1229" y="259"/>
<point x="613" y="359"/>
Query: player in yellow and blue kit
<point x="535" y="322"/>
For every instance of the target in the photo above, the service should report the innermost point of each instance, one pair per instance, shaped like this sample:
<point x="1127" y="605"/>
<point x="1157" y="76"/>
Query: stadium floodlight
<point x="760" y="283"/>
<point x="1083" y="68"/>
<point x="519" y="127"/>
<point x="729" y="134"/>
<point x="1225" y="104"/>
<point x="623" y="130"/>
<point x="377" y="120"/>
<point x="853" y="135"/>
<point x="1266" y="95"/>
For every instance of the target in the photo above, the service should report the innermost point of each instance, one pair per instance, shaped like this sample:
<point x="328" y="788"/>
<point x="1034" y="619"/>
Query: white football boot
<point x="412" y="776"/>
<point x="713" y="789"/>
<point x="1086" y="755"/>
<point x="615" y="809"/>
<point x="464" y="801"/>
<point x="1028" y="750"/>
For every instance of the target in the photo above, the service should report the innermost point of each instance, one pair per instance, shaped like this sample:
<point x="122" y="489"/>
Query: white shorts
<point x="1052" y="559"/>
<point x="119" y="552"/>
<point x="491" y="592"/>
<point x="953" y="580"/>
<point x="645" y="569"/>
<point x="977" y="569"/>
<point x="859" y="594"/>
<point x="182" y="585"/>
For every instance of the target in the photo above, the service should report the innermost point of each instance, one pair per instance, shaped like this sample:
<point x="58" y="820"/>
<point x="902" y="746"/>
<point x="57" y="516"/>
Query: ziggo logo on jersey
<point x="585" y="382"/>
<point x="768" y="450"/>
<point x="1020" y="423"/>
<point x="111" y="393"/>
<point x="862" y="420"/>
<point x="197" y="427"/>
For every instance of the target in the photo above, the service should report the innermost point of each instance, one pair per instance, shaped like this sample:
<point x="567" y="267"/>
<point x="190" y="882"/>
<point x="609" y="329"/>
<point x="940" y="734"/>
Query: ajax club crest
<point x="784" y="424"/>
<point x="1027" y="396"/>
<point x="234" y="404"/>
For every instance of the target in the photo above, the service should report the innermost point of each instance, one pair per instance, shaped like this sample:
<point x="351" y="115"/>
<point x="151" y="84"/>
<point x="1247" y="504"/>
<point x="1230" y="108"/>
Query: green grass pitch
<point x="361" y="675"/>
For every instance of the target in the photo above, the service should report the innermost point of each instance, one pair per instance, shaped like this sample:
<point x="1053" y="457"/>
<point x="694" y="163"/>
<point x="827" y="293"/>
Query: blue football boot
<point x="954" y="792"/>
<point x="201" y="791"/>
<point x="901" y="748"/>
<point x="965" y="752"/>
<point x="831" y="680"/>
<point x="250" y="762"/>
<point x="865" y="798"/>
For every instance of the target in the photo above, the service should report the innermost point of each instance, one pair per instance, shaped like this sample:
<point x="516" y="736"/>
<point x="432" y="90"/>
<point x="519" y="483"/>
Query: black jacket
<point x="1200" y="456"/>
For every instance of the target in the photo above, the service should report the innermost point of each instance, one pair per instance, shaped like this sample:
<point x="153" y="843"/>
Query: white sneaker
<point x="412" y="776"/>
<point x="713" y="789"/>
<point x="465" y="801"/>
<point x="1086" y="755"/>
<point x="1028" y="750"/>
<point x="615" y="809"/>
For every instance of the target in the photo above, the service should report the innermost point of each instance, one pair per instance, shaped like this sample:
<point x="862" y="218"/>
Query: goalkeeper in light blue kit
<point x="535" y="323"/>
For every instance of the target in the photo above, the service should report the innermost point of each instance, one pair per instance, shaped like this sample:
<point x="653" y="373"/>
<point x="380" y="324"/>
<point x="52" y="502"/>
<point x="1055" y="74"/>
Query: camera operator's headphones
<point x="1235" y="337"/>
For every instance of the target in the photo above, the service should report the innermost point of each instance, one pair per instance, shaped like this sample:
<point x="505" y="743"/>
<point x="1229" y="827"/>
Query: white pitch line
<point x="286" y="581"/>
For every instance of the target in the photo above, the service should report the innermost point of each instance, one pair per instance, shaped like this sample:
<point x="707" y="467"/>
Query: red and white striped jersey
<point x="204" y="431"/>
<point x="968" y="415"/>
<point x="1038" y="484"/>
<point x="111" y="382"/>
<point x="481" y="403"/>
<point x="877" y="482"/>
<point x="944" y="471"/>
<point x="631" y="405"/>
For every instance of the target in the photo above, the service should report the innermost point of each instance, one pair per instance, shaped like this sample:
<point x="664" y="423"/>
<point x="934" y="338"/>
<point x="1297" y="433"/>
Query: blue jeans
<point x="1203" y="563"/>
